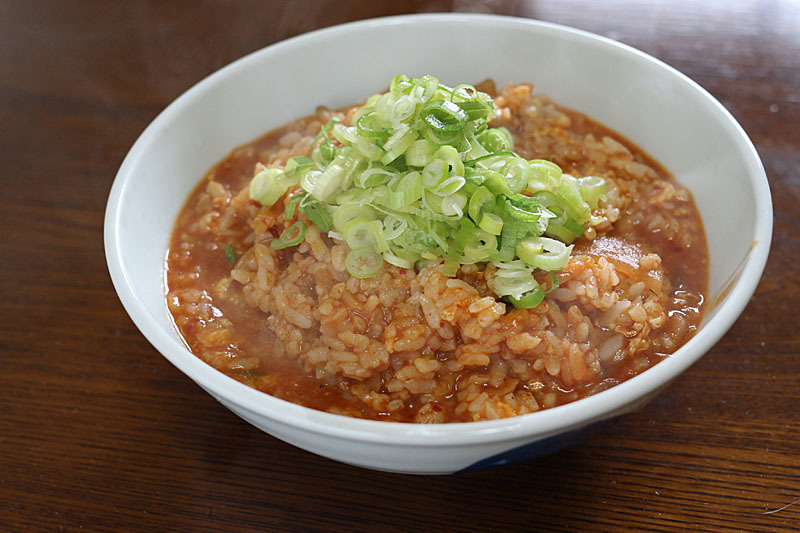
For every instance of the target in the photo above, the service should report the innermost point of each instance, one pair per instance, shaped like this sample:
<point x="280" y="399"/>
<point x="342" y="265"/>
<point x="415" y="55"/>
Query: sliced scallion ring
<point x="554" y="255"/>
<point x="363" y="262"/>
<point x="420" y="153"/>
<point x="361" y="233"/>
<point x="398" y="143"/>
<point x="369" y="126"/>
<point x="480" y="200"/>
<point x="443" y="116"/>
<point x="530" y="299"/>
<point x="491" y="223"/>
<point x="434" y="173"/>
<point x="546" y="175"/>
<point x="453" y="204"/>
<point x="346" y="213"/>
<point x="406" y="190"/>
<point x="269" y="185"/>
<point x="592" y="189"/>
<point x="392" y="259"/>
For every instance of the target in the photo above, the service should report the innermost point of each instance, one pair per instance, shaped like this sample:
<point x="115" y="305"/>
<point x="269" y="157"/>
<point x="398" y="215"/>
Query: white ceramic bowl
<point x="650" y="103"/>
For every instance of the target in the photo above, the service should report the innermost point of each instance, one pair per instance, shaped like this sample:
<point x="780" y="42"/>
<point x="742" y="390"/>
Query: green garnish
<point x="318" y="214"/>
<point x="291" y="207"/>
<point x="294" y="235"/>
<point x="420" y="176"/>
<point x="363" y="262"/>
<point x="230" y="254"/>
<point x="297" y="165"/>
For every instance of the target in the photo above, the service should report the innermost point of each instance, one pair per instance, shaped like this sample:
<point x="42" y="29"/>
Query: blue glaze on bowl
<point x="538" y="448"/>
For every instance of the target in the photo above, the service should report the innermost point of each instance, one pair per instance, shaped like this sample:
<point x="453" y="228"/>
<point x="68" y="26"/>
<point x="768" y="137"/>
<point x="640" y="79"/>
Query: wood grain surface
<point x="98" y="432"/>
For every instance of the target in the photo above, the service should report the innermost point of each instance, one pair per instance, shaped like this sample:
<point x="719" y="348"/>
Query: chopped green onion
<point x="230" y="254"/>
<point x="474" y="109"/>
<point x="513" y="279"/>
<point x="359" y="197"/>
<point x="297" y="165"/>
<point x="546" y="175"/>
<point x="401" y="80"/>
<point x="398" y="143"/>
<point x="554" y="255"/>
<point x="510" y="234"/>
<point x="480" y="200"/>
<point x="344" y="214"/>
<point x="363" y="262"/>
<point x="392" y="259"/>
<point x="496" y="140"/>
<point x="494" y="181"/>
<point x="441" y="137"/>
<point x="464" y="235"/>
<point x="576" y="207"/>
<point x="433" y="173"/>
<point x="318" y="214"/>
<point x="474" y="148"/>
<point x="450" y="155"/>
<point x="371" y="152"/>
<point x="368" y="126"/>
<point x="328" y="182"/>
<point x="420" y="153"/>
<point x="373" y="176"/>
<point x="336" y="176"/>
<point x="406" y="190"/>
<point x="324" y="130"/>
<point x="418" y="176"/>
<point x="530" y="299"/>
<point x="453" y="204"/>
<point x="468" y="93"/>
<point x="491" y="223"/>
<point x="554" y="285"/>
<point x="528" y="249"/>
<point x="393" y="227"/>
<point x="291" y="207"/>
<point x="402" y="108"/>
<point x="573" y="227"/>
<point x="524" y="208"/>
<point x="481" y="247"/>
<point x="361" y="233"/>
<point x="325" y="150"/>
<point x="269" y="185"/>
<point x="592" y="189"/>
<point x="444" y="116"/>
<point x="517" y="172"/>
<point x="449" y="186"/>
<point x="293" y="236"/>
<point x="346" y="135"/>
<point x="309" y="179"/>
<point x="487" y="157"/>
<point x="552" y="203"/>
<point x="566" y="232"/>
<point x="430" y="87"/>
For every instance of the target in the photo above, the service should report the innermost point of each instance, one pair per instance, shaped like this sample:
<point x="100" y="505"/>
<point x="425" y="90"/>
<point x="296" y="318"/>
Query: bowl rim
<point x="541" y="423"/>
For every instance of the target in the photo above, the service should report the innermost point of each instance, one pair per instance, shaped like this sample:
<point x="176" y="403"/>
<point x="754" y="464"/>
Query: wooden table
<point x="99" y="432"/>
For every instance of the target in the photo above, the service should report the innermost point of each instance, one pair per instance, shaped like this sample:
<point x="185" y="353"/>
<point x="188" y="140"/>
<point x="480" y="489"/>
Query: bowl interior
<point x="663" y="112"/>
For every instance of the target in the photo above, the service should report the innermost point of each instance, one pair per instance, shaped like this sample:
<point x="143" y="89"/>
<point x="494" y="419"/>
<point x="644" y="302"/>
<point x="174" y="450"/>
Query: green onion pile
<point x="420" y="176"/>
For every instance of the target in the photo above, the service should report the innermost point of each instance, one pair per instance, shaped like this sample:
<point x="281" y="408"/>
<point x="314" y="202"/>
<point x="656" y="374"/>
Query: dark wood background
<point x="99" y="432"/>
